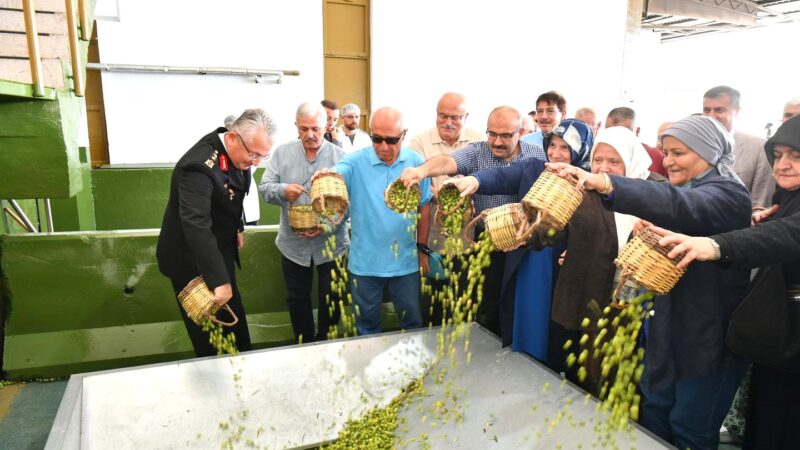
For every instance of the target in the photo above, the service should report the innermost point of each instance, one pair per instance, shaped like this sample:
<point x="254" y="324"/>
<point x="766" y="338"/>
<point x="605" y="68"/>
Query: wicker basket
<point x="645" y="262"/>
<point x="507" y="226"/>
<point x="303" y="218"/>
<point x="197" y="300"/>
<point x="398" y="185"/>
<point x="441" y="213"/>
<point x="553" y="199"/>
<point x="329" y="196"/>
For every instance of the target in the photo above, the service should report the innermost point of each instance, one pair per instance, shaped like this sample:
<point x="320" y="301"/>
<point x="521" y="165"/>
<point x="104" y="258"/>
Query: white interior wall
<point x="503" y="52"/>
<point x="495" y="53"/>
<point x="154" y="118"/>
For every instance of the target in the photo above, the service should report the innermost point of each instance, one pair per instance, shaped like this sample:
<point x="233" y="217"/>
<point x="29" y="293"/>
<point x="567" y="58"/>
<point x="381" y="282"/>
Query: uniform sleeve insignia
<point x="212" y="159"/>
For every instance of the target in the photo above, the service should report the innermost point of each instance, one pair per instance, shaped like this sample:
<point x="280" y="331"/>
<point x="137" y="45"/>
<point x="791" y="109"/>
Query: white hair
<point x="793" y="102"/>
<point x="252" y="121"/>
<point x="312" y="109"/>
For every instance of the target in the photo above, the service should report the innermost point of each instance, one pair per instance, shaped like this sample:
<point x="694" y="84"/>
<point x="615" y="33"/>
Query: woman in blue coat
<point x="529" y="274"/>
<point x="690" y="377"/>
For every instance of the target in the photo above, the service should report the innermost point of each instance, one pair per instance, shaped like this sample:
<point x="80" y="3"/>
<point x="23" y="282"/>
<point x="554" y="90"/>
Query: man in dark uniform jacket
<point x="202" y="229"/>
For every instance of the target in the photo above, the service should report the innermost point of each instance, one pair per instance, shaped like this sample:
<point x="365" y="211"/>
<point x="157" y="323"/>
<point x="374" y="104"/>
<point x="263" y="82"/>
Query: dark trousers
<point x="773" y="412"/>
<point x="689" y="412"/>
<point x="489" y="310"/>
<point x="199" y="338"/>
<point x="433" y="311"/>
<point x="298" y="280"/>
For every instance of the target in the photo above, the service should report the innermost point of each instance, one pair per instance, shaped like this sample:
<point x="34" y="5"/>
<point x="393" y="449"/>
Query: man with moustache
<point x="502" y="148"/>
<point x="384" y="252"/>
<point x="202" y="229"/>
<point x="286" y="182"/>
<point x="447" y="136"/>
<point x="351" y="136"/>
<point x="551" y="109"/>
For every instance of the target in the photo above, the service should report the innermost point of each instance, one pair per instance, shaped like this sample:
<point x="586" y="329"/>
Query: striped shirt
<point x="477" y="156"/>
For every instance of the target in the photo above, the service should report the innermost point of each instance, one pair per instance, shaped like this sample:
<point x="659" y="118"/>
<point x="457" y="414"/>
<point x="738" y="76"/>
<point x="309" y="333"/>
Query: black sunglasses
<point x="389" y="140"/>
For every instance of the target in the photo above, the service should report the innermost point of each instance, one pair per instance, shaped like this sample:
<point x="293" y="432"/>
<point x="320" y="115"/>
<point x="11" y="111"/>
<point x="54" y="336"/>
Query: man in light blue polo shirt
<point x="383" y="249"/>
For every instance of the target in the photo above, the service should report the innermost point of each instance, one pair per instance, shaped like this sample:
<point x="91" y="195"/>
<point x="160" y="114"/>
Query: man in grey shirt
<point x="286" y="182"/>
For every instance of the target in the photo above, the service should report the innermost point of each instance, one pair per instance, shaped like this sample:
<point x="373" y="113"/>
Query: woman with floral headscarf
<point x="690" y="377"/>
<point x="529" y="274"/>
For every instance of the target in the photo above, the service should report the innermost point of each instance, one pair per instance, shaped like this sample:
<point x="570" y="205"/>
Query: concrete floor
<point x="27" y="411"/>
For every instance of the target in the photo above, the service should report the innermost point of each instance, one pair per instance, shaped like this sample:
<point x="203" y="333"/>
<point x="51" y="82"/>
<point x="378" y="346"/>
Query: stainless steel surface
<point x="301" y="396"/>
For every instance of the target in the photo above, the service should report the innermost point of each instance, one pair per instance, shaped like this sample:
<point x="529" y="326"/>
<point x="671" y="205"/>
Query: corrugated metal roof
<point x="671" y="27"/>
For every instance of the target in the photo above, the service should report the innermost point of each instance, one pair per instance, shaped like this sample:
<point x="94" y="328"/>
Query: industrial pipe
<point x="192" y="70"/>
<point x="21" y="215"/>
<point x="48" y="211"/>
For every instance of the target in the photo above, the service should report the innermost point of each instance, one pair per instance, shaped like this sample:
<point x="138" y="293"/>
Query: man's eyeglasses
<point x="453" y="117"/>
<point x="351" y="116"/>
<point x="391" y="140"/>
<point x="253" y="156"/>
<point x="503" y="136"/>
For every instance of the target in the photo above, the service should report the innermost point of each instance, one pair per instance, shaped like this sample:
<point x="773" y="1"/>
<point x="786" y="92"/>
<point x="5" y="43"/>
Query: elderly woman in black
<point x="773" y="415"/>
<point x="690" y="377"/>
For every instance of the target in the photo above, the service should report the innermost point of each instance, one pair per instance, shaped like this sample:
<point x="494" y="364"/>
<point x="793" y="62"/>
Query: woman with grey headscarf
<point x="690" y="377"/>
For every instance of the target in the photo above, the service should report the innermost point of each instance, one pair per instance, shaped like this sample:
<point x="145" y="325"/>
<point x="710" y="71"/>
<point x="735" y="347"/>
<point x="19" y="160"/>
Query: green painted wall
<point x="78" y="302"/>
<point x="89" y="301"/>
<point x="77" y="213"/>
<point x="134" y="197"/>
<point x="39" y="156"/>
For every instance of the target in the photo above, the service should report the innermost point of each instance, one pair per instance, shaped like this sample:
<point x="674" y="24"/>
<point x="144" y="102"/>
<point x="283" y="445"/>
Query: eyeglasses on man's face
<point x="253" y="156"/>
<point x="391" y="140"/>
<point x="453" y="117"/>
<point x="503" y="136"/>
<point x="351" y="116"/>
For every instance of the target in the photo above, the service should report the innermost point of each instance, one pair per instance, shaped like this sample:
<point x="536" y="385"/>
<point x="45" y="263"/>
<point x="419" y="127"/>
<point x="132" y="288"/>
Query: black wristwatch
<point x="424" y="248"/>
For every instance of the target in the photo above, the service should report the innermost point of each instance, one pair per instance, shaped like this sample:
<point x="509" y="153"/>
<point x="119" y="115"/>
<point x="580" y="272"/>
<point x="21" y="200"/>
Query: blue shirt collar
<point x="374" y="160"/>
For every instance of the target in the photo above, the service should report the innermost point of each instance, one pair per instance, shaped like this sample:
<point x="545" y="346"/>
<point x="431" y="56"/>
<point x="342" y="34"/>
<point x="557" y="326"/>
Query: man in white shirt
<point x="352" y="137"/>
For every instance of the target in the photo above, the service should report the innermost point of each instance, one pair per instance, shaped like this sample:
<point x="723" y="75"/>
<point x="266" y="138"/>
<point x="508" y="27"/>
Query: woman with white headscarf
<point x="690" y="377"/>
<point x="593" y="238"/>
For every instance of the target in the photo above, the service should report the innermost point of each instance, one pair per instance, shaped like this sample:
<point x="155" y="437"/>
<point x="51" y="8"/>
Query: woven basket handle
<point x="526" y="230"/>
<point x="623" y="277"/>
<point x="227" y="324"/>
<point x="337" y="220"/>
<point x="471" y="225"/>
